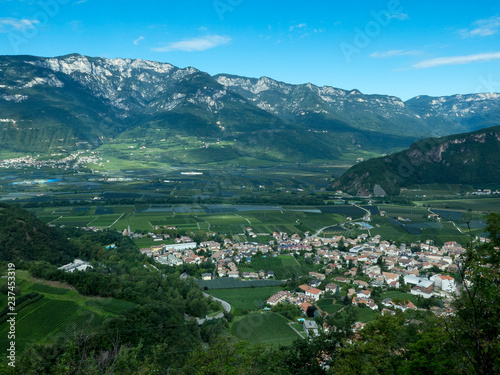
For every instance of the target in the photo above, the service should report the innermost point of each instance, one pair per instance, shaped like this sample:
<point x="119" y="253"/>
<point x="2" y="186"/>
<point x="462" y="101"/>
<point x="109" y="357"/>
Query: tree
<point x="474" y="327"/>
<point x="310" y="311"/>
<point x="397" y="345"/>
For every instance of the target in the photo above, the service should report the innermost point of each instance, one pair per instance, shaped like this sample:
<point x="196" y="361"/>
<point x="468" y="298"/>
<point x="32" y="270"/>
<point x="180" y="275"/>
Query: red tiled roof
<point x="305" y="305"/>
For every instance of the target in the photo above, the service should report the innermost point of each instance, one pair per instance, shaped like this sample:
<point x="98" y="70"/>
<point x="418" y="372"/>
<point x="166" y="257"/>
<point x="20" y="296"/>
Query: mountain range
<point x="138" y="110"/>
<point x="469" y="159"/>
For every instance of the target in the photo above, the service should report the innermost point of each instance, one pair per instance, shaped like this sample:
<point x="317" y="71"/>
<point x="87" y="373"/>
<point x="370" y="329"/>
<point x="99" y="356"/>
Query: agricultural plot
<point x="299" y="327"/>
<point x="144" y="217"/>
<point x="328" y="306"/>
<point x="397" y="295"/>
<point x="393" y="230"/>
<point x="268" y="328"/>
<point x="346" y="210"/>
<point x="314" y="221"/>
<point x="40" y="321"/>
<point x="62" y="211"/>
<point x="412" y="213"/>
<point x="309" y="267"/>
<point x="105" y="221"/>
<point x="246" y="298"/>
<point x="449" y="215"/>
<point x="104" y="211"/>
<point x="373" y="209"/>
<point x="111" y="305"/>
<point x="42" y="288"/>
<point x="226" y="219"/>
<point x="117" y="195"/>
<point x="474" y="224"/>
<point x="426" y="224"/>
<point x="80" y="210"/>
<point x="284" y="267"/>
<point x="74" y="221"/>
<point x="409" y="229"/>
<point x="365" y="314"/>
<point x="473" y="204"/>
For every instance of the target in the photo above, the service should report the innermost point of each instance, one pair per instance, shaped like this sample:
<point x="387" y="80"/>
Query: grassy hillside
<point x="62" y="312"/>
<point x="469" y="159"/>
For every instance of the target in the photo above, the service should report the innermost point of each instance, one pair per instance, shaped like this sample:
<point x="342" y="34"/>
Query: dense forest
<point x="159" y="336"/>
<point x="24" y="237"/>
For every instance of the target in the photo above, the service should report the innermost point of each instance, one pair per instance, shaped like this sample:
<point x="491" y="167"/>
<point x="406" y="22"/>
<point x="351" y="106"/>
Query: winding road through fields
<point x="225" y="305"/>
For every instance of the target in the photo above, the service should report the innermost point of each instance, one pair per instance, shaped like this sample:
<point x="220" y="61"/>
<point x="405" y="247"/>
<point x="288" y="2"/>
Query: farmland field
<point x="268" y="328"/>
<point x="45" y="319"/>
<point x="42" y="288"/>
<point x="473" y="204"/>
<point x="245" y="298"/>
<point x="59" y="313"/>
<point x="111" y="305"/>
<point x="394" y="294"/>
<point x="284" y="266"/>
<point x="327" y="305"/>
<point x="365" y="314"/>
<point x="230" y="283"/>
<point x="143" y="217"/>
<point x="232" y="220"/>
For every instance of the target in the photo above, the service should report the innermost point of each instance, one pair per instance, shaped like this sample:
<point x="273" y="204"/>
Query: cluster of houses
<point x="484" y="192"/>
<point x="72" y="161"/>
<point x="383" y="262"/>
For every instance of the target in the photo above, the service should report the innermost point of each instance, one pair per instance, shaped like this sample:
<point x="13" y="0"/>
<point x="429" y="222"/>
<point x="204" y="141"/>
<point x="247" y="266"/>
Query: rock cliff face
<point x="72" y="102"/>
<point x="420" y="116"/>
<point x="472" y="158"/>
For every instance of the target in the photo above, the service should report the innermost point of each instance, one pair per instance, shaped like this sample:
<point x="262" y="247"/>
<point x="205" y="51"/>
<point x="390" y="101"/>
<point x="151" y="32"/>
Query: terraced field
<point x="47" y="319"/>
<point x="61" y="312"/>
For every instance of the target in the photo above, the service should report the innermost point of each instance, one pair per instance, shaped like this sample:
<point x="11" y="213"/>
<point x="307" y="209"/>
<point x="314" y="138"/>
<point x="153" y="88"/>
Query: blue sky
<point x="397" y="47"/>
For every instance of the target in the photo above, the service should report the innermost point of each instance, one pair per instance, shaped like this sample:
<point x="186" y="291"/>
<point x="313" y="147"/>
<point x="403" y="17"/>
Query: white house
<point x="234" y="274"/>
<point x="76" y="265"/>
<point x="314" y="293"/>
<point x="180" y="246"/>
<point x="444" y="282"/>
<point x="363" y="294"/>
<point x="417" y="281"/>
<point x="421" y="291"/>
<point x="390" y="277"/>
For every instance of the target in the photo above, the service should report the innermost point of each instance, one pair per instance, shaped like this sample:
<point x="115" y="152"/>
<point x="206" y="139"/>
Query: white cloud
<point x="393" y="53"/>
<point x="80" y="2"/>
<point x="484" y="27"/>
<point x="299" y="26"/>
<point x="136" y="42"/>
<point x="196" y="44"/>
<point x="17" y="24"/>
<point x="456" y="60"/>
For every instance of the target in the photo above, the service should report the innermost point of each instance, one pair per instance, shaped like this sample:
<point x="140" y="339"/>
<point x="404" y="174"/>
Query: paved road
<point x="226" y="306"/>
